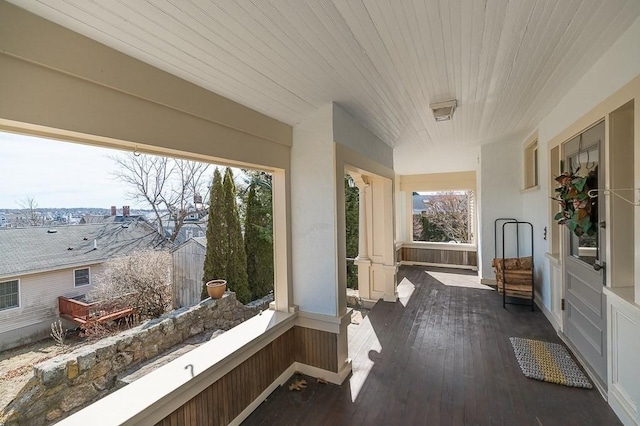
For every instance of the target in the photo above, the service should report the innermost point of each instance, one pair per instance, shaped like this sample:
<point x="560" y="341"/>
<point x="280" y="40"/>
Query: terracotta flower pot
<point x="216" y="288"/>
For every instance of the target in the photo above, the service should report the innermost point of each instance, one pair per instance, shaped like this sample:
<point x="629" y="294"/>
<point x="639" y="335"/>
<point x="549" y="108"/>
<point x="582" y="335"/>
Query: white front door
<point x="585" y="316"/>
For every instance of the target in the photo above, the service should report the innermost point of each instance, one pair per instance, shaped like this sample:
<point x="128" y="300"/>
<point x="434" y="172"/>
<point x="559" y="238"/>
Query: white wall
<point x="409" y="161"/>
<point x="323" y="145"/>
<point x="500" y="185"/>
<point x="348" y="132"/>
<point x="619" y="65"/>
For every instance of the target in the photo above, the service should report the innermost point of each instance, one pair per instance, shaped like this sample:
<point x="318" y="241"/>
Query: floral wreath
<point x="579" y="209"/>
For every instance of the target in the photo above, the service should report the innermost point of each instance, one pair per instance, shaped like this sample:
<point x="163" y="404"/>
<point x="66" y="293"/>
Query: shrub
<point x="140" y="280"/>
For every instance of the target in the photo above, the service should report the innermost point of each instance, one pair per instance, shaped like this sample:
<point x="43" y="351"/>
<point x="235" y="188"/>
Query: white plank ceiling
<point x="507" y="62"/>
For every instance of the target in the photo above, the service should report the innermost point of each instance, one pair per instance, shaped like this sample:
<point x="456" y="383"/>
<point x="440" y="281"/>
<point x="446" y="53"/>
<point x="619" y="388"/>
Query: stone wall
<point x="65" y="384"/>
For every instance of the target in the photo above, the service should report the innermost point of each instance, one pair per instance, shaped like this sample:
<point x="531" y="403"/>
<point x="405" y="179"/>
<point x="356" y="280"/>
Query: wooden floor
<point x="443" y="359"/>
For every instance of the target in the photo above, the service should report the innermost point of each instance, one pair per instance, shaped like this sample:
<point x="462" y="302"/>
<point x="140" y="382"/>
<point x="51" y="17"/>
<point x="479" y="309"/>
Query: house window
<point x="531" y="165"/>
<point x="443" y="216"/>
<point x="81" y="277"/>
<point x="9" y="295"/>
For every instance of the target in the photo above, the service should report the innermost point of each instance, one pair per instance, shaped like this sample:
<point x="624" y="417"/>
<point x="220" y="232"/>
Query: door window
<point x="585" y="164"/>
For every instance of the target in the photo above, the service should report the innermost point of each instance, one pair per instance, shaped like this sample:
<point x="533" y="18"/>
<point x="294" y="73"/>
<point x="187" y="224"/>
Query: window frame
<point x="75" y="283"/>
<point x="472" y="226"/>
<point x="19" y="295"/>
<point x="531" y="164"/>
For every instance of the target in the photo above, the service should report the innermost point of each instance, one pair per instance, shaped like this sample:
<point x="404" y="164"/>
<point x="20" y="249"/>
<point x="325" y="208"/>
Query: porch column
<point x="362" y="261"/>
<point x="362" y="184"/>
<point x="318" y="293"/>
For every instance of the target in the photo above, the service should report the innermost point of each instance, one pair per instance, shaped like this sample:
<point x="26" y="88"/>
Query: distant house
<point x="39" y="264"/>
<point x="193" y="226"/>
<point x="91" y="218"/>
<point x="188" y="270"/>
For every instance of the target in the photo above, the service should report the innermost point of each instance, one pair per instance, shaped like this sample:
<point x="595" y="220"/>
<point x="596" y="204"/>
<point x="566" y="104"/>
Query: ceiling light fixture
<point x="443" y="111"/>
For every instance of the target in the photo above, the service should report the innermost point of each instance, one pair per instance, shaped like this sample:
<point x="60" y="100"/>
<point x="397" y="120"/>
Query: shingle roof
<point x="29" y="250"/>
<point x="201" y="240"/>
<point x="196" y="240"/>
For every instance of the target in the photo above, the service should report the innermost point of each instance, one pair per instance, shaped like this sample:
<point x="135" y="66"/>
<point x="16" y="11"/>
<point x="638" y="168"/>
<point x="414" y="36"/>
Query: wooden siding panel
<point x="446" y="257"/>
<point x="226" y="398"/>
<point x="188" y="264"/>
<point x="39" y="297"/>
<point x="317" y="348"/>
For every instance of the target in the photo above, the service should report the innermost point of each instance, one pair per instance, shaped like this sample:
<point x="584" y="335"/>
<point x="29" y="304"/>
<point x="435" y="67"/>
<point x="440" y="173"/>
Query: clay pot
<point x="216" y="288"/>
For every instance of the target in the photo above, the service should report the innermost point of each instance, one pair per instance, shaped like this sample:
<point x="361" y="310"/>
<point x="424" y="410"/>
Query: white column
<point x="362" y="261"/>
<point x="363" y="185"/>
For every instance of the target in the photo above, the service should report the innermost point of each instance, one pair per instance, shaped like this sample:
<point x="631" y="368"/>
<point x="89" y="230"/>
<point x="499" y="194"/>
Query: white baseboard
<point x="585" y="366"/>
<point x="331" y="377"/>
<point x="621" y="408"/>
<point x="547" y="313"/>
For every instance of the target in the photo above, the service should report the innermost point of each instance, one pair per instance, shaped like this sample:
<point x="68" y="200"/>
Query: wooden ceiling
<point x="506" y="62"/>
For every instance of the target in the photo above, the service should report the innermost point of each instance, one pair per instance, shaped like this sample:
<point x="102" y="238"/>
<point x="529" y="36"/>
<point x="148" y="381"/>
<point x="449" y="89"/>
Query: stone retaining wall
<point x="66" y="383"/>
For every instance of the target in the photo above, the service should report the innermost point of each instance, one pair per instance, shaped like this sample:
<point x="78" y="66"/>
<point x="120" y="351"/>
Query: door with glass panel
<point x="585" y="316"/>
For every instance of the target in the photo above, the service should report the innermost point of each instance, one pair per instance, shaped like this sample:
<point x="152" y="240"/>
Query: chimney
<point x="113" y="211"/>
<point x="125" y="211"/>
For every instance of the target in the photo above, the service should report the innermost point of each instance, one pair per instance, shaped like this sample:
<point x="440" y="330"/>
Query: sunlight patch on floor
<point x="405" y="291"/>
<point x="361" y="370"/>
<point x="458" y="280"/>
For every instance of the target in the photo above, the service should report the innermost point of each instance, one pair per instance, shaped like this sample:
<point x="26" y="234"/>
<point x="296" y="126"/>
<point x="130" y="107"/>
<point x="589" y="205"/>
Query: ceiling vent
<point x="443" y="111"/>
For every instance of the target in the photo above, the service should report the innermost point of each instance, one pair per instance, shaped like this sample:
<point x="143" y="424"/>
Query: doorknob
<point x="598" y="265"/>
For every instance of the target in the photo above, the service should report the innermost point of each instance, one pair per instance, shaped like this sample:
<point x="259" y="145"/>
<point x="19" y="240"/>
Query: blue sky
<point x="57" y="174"/>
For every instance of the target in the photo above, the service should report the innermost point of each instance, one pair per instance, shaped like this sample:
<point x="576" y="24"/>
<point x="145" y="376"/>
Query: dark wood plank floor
<point x="443" y="359"/>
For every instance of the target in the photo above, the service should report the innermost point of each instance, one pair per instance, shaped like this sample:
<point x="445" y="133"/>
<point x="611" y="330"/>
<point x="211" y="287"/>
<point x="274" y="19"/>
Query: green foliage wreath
<point x="579" y="209"/>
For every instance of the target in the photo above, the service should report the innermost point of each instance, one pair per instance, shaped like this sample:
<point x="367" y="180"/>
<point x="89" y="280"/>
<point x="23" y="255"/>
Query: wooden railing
<point x="445" y="255"/>
<point x="85" y="313"/>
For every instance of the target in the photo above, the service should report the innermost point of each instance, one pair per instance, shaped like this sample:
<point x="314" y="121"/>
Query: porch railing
<point x="83" y="313"/>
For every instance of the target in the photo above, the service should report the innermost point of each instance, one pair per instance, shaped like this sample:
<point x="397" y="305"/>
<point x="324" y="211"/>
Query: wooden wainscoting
<point x="316" y="348"/>
<point x="225" y="399"/>
<point x="229" y="396"/>
<point x="436" y="256"/>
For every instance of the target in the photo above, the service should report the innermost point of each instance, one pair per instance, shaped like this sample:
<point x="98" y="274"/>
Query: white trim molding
<point x="623" y="349"/>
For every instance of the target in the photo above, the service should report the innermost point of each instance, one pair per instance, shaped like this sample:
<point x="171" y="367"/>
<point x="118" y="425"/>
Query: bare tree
<point x="31" y="206"/>
<point x="172" y="188"/>
<point x="447" y="215"/>
<point x="141" y="280"/>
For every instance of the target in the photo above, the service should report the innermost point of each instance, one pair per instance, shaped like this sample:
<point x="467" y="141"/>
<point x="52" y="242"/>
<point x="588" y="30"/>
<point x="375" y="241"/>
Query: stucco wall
<point x="39" y="305"/>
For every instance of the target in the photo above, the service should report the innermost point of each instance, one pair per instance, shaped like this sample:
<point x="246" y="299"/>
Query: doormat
<point x="549" y="362"/>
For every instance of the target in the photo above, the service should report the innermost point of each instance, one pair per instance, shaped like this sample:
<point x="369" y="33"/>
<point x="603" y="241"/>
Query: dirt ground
<point x="16" y="365"/>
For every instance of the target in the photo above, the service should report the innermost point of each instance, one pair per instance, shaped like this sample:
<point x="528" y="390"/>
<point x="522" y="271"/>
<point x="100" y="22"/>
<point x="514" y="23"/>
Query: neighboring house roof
<point x="418" y="202"/>
<point x="193" y="240"/>
<point x="187" y="231"/>
<point x="95" y="219"/>
<point x="37" y="249"/>
<point x="200" y="240"/>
